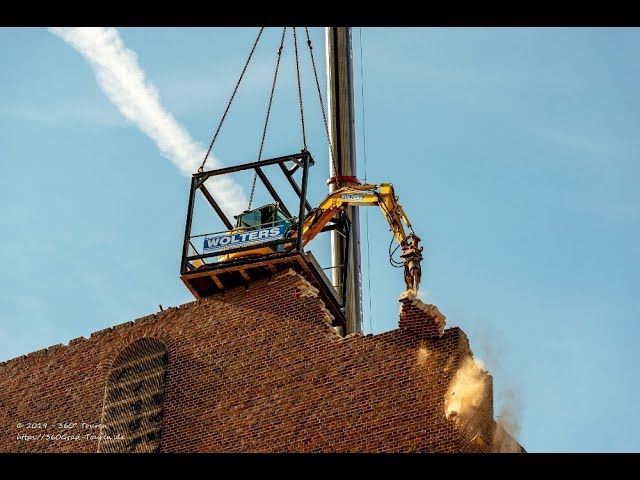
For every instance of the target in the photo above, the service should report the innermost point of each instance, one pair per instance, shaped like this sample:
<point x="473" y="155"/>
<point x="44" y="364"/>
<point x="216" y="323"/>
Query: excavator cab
<point x="267" y="215"/>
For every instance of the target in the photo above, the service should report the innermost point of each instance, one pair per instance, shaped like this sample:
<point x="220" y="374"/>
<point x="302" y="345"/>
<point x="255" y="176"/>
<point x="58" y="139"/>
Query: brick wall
<point x="257" y="369"/>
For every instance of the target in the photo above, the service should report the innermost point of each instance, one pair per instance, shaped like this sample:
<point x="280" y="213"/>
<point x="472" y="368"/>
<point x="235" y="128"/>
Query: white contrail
<point x="123" y="81"/>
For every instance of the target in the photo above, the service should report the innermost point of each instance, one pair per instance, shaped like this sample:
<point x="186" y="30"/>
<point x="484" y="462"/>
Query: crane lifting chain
<point x="266" y="120"/>
<point x="271" y="96"/>
<point x="226" y="110"/>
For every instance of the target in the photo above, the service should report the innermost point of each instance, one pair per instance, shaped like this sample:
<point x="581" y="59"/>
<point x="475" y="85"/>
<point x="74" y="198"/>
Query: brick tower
<point x="253" y="369"/>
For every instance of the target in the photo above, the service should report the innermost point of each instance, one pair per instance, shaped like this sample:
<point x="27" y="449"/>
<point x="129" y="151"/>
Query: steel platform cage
<point x="205" y="279"/>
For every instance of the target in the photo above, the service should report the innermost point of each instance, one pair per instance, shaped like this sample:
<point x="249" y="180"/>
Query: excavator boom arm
<point x="371" y="195"/>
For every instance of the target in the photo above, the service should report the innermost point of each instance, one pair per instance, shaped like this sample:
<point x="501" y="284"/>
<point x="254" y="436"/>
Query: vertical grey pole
<point x="343" y="139"/>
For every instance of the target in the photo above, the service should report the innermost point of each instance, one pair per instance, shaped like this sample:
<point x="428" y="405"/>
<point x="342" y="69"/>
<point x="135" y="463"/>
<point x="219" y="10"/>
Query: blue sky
<point x="515" y="152"/>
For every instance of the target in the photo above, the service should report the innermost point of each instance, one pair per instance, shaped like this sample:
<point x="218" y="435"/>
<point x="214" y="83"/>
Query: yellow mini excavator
<point x="264" y="222"/>
<point x="275" y="236"/>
